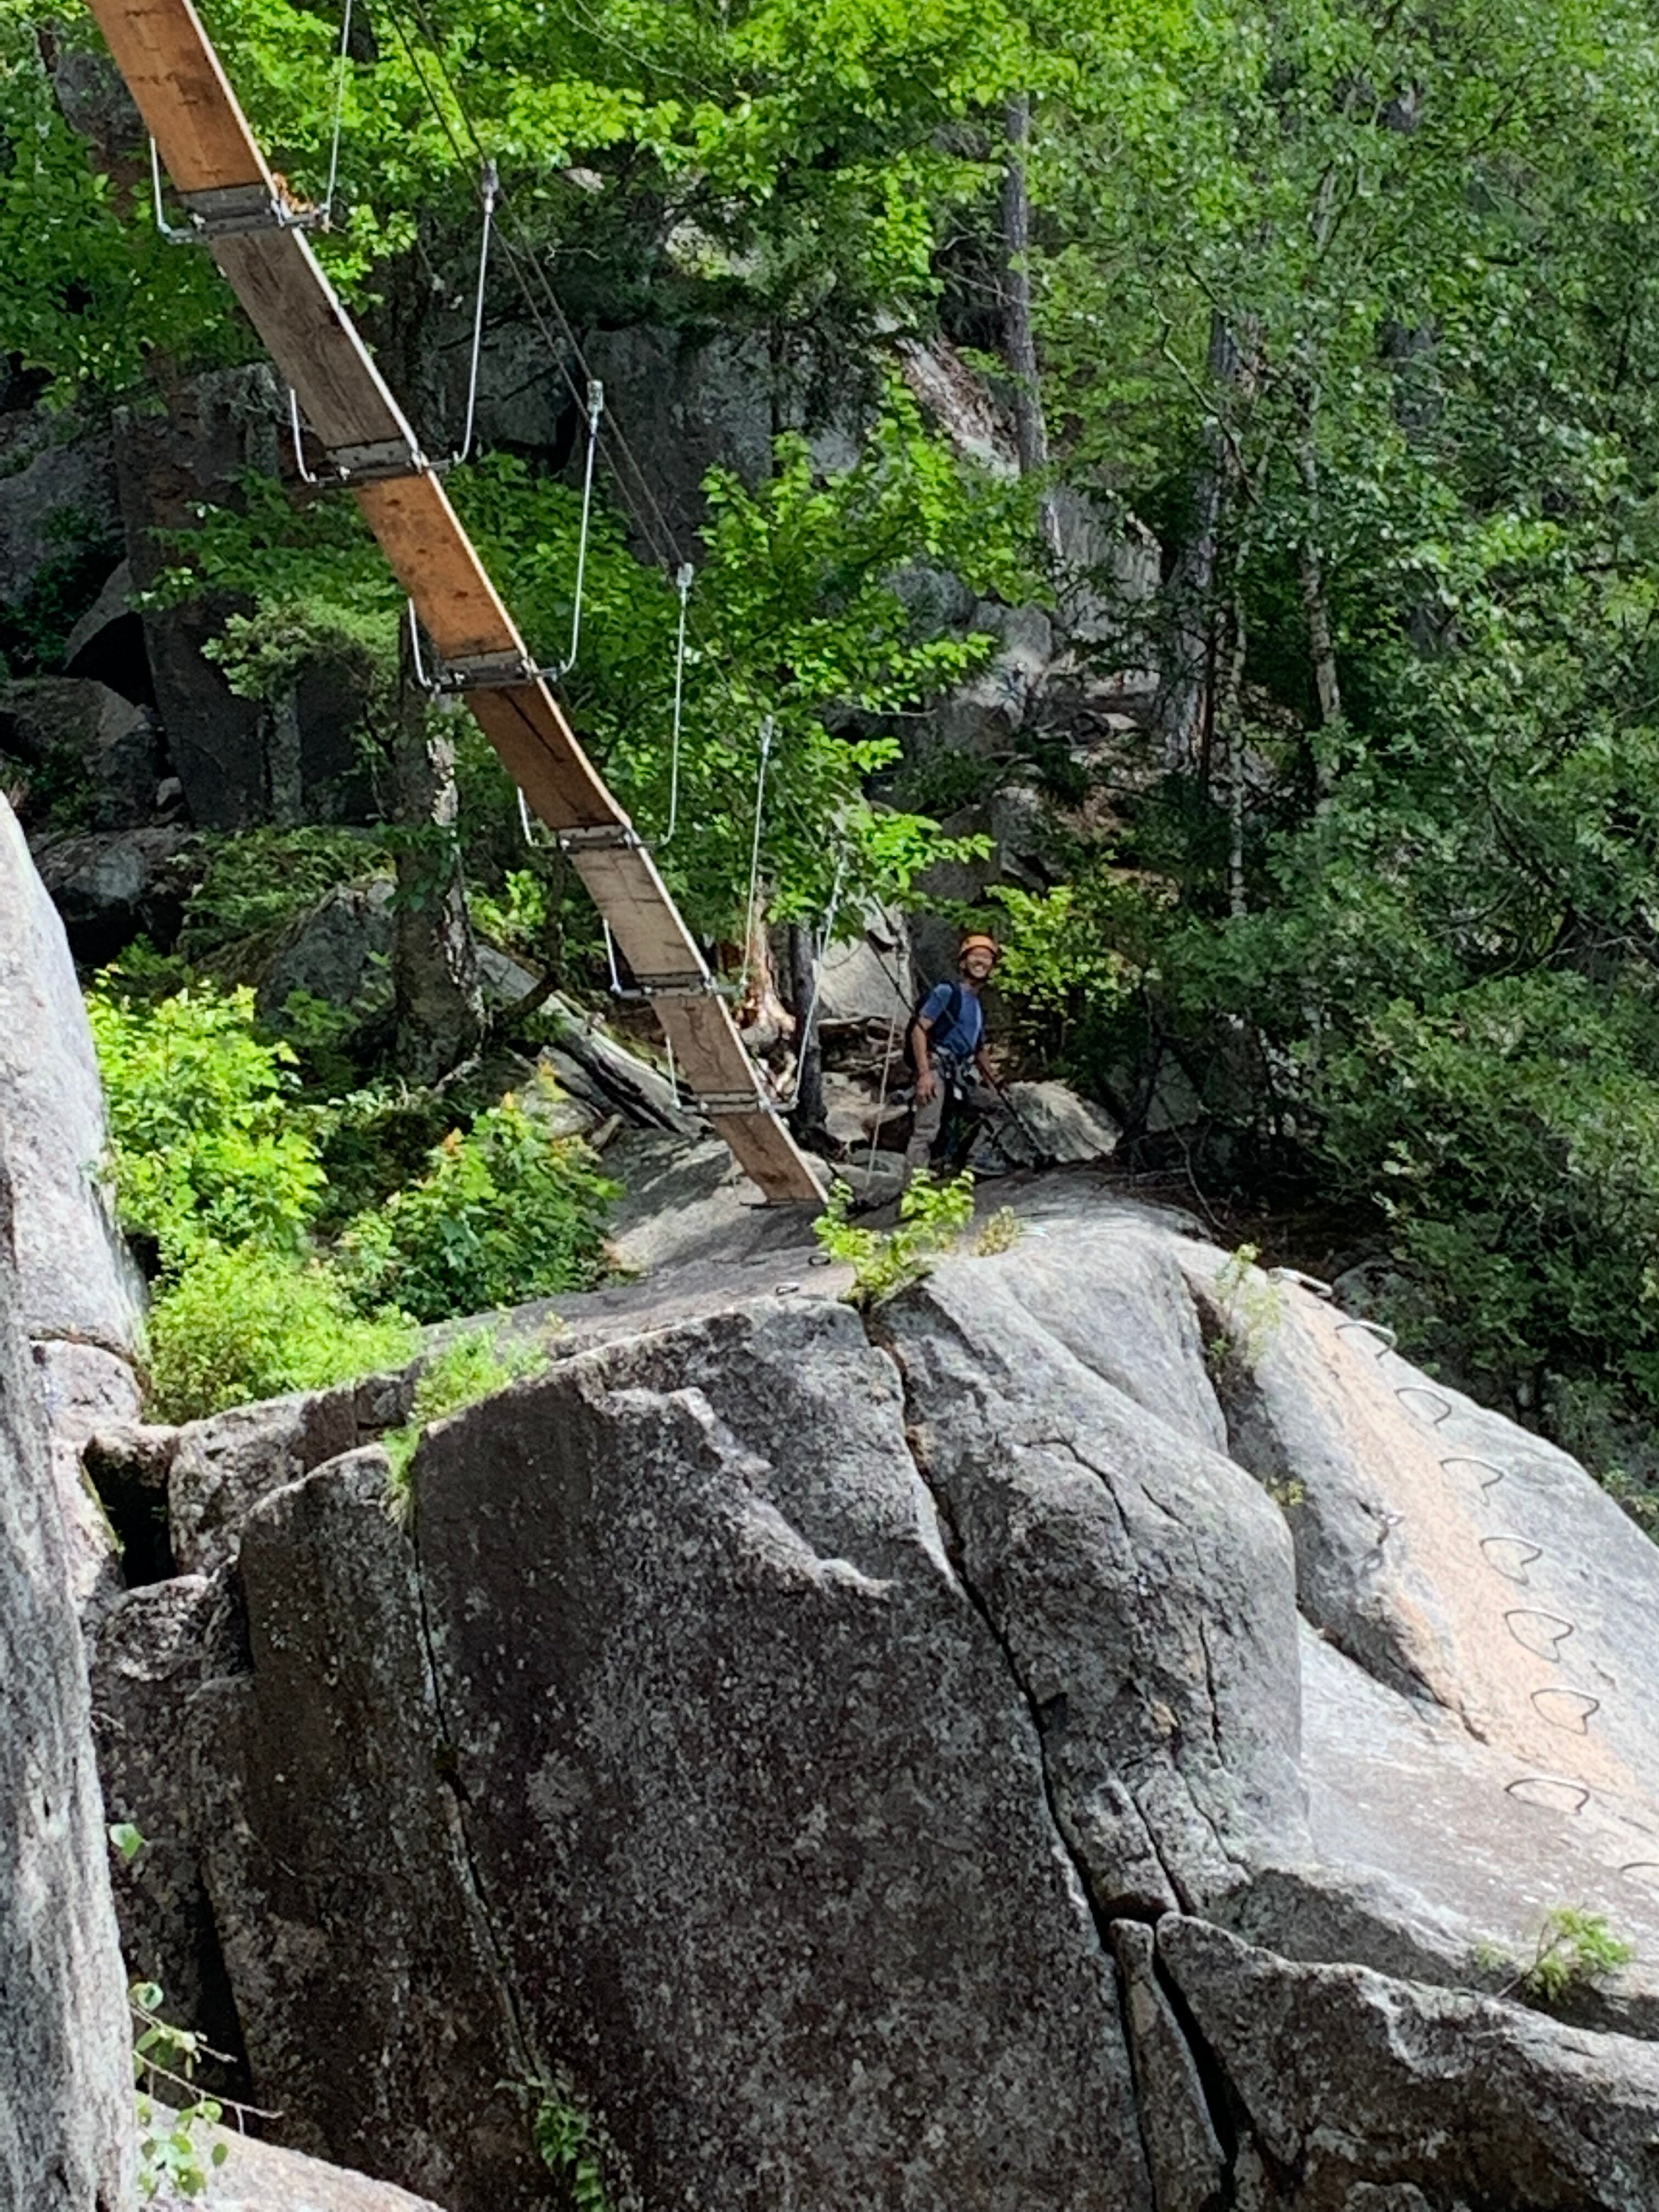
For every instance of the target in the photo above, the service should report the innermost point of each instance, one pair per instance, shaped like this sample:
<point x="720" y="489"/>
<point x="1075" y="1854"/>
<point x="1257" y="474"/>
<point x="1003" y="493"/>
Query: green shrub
<point x="245" y="1323"/>
<point x="475" y="1366"/>
<point x="504" y="1213"/>
<point x="204" y="1147"/>
<point x="1070" y="958"/>
<point x="259" y="880"/>
<point x="931" y="1216"/>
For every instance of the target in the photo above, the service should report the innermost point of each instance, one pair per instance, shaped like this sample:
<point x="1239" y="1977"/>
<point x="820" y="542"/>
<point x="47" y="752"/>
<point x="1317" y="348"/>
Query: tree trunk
<point x="434" y="963"/>
<point x="1230" y="728"/>
<point x="1186" y="708"/>
<point x="1316" y="608"/>
<point x="1019" y="339"/>
<point x="809" y="1058"/>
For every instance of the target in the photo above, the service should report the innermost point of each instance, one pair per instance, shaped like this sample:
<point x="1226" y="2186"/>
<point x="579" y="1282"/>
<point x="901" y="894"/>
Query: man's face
<point x="977" y="963"/>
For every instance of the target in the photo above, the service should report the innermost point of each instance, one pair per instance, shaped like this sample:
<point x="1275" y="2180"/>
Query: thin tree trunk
<point x="1018" y="338"/>
<point x="1185" y="710"/>
<point x="1321" y="645"/>
<point x="1230" y="718"/>
<point x="435" y="962"/>
<point x="809" y="1056"/>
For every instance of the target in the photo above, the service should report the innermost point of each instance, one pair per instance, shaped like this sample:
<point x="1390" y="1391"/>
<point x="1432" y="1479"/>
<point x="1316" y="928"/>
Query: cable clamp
<point x="597" y="837"/>
<point x="731" y="1101"/>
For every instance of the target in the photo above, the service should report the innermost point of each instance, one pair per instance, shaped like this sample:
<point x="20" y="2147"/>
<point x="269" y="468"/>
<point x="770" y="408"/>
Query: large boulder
<point x="110" y="886"/>
<point x="365" y="1911"/>
<point x="66" y="2066"/>
<point x="221" y="1466"/>
<point x="262" y="2176"/>
<point x="1073" y="1737"/>
<point x="736" y="1668"/>
<point x="76" y="1278"/>
<point x="73" y="732"/>
<point x="1349" y="2092"/>
<point x="80" y="1300"/>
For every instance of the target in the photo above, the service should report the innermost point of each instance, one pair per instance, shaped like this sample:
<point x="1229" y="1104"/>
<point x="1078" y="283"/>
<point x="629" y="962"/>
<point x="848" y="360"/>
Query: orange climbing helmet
<point x="978" y="942"/>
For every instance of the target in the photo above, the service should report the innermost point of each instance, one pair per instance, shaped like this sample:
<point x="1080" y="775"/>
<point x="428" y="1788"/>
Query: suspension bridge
<point x="240" y="213"/>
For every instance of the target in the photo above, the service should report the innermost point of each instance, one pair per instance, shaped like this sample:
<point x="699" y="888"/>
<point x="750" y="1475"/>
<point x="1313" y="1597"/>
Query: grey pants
<point x="974" y="1096"/>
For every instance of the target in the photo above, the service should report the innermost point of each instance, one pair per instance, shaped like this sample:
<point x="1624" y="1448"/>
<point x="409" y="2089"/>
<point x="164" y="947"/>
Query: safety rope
<point x="682" y="583"/>
<point x="754" y="858"/>
<point x="340" y="67"/>
<point x="489" y="186"/>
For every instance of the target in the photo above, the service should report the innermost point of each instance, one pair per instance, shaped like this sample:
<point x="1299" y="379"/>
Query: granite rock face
<point x="65" y="2070"/>
<point x="1350" y="2091"/>
<point x="76" y="1280"/>
<point x="1055" y="1740"/>
<point x="704" y="1632"/>
<point x="78" y="1297"/>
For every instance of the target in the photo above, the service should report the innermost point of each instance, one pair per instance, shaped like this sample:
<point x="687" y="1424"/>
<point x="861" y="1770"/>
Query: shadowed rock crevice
<point x="529" y="2069"/>
<point x="1050" y="1714"/>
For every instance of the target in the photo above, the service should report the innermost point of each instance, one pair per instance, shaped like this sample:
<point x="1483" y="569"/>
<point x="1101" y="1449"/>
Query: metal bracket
<point x="381" y="463"/>
<point x="488" y="672"/>
<point x="690" y="984"/>
<point x="731" y="1101"/>
<point x="597" y="837"/>
<point x="240" y="210"/>
<point x="377" y="463"/>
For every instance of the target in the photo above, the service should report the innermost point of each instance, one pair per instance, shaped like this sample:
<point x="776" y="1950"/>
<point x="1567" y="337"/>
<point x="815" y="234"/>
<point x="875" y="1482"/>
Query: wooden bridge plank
<point x="183" y="94"/>
<point x="438" y="566"/>
<point x="312" y="339"/>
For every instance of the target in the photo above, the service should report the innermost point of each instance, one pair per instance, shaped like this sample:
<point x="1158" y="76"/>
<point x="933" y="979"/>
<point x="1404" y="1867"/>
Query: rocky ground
<point x="1101" y="1729"/>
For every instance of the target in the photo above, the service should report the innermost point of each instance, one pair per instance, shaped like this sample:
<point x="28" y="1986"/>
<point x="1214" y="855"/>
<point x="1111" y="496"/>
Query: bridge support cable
<point x="238" y="210"/>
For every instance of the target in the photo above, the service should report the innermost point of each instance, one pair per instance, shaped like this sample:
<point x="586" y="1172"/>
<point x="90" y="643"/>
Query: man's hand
<point x="927" y="1085"/>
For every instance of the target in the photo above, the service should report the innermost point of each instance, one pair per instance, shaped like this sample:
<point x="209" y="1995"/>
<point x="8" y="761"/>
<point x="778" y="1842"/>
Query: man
<point x="947" y="1042"/>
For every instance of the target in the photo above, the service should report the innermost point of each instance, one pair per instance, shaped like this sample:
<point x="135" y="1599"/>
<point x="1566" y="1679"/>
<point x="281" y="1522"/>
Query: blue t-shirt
<point x="962" y="1037"/>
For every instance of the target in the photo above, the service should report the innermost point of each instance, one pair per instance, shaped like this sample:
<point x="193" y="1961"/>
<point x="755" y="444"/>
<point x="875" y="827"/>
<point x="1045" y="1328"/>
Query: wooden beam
<point x="184" y="96"/>
<point x="189" y="108"/>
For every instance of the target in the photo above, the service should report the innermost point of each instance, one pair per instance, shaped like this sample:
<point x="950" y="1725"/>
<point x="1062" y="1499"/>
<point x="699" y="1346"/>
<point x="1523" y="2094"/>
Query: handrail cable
<point x="490" y="188"/>
<point x="340" y="67"/>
